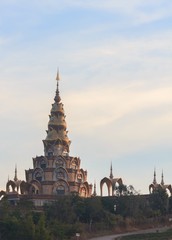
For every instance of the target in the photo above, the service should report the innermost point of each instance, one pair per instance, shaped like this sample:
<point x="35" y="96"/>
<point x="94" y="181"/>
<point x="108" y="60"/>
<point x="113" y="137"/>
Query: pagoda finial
<point x="94" y="193"/>
<point x="154" y="178"/>
<point x="57" y="97"/>
<point x="57" y="141"/>
<point x="15" y="176"/>
<point x="162" y="178"/>
<point x="111" y="174"/>
<point x="58" y="76"/>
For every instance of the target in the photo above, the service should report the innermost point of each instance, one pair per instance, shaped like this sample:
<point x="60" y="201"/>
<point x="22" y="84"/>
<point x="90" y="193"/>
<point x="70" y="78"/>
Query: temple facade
<point x="155" y="186"/>
<point x="55" y="173"/>
<point x="111" y="183"/>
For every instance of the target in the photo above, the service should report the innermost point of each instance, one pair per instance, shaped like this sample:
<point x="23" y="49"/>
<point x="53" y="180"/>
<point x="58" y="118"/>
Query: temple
<point x="111" y="183"/>
<point x="154" y="186"/>
<point x="56" y="173"/>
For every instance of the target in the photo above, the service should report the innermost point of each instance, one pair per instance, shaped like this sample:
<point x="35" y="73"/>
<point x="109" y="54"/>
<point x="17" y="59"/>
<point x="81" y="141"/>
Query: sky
<point x="114" y="59"/>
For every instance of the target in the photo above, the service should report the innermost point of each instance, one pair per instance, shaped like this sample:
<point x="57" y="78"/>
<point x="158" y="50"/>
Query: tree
<point x="41" y="232"/>
<point x="121" y="189"/>
<point x="159" y="201"/>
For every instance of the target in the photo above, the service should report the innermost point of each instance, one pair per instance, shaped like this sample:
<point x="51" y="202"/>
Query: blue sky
<point x="115" y="66"/>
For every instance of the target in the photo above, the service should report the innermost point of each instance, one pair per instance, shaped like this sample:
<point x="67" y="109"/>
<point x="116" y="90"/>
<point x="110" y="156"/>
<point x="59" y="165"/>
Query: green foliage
<point x="68" y="215"/>
<point x="126" y="206"/>
<point x="94" y="209"/>
<point x="18" y="223"/>
<point x="41" y="232"/>
<point x="170" y="204"/>
<point x="159" y="202"/>
<point x="125" y="190"/>
<point x="64" y="231"/>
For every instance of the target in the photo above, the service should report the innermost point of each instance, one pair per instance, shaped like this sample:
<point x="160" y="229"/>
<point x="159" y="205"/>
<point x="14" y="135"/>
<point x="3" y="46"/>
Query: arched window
<point x="59" y="163"/>
<point x="79" y="177"/>
<point x="50" y="153"/>
<point x="60" y="174"/>
<point x="43" y="164"/>
<point x="60" y="190"/>
<point x="38" y="176"/>
<point x="83" y="192"/>
<point x="35" y="190"/>
<point x="74" y="164"/>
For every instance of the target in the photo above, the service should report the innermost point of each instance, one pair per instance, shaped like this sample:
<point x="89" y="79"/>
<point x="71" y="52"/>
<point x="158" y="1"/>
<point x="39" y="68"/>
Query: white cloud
<point x="121" y="114"/>
<point x="130" y="119"/>
<point x="118" y="101"/>
<point x="116" y="76"/>
<point x="140" y="11"/>
<point x="3" y="40"/>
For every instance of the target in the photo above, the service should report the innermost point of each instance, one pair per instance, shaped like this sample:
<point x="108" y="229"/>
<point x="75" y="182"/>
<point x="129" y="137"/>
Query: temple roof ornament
<point x="153" y="187"/>
<point x="94" y="192"/>
<point x="57" y="98"/>
<point x="111" y="174"/>
<point x="57" y="107"/>
<point x="154" y="178"/>
<point x="58" y="76"/>
<point x="162" y="178"/>
<point x="57" y="125"/>
<point x="15" y="175"/>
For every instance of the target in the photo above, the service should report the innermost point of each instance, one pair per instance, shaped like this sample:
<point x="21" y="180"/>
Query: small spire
<point x="15" y="176"/>
<point x="94" y="193"/>
<point x="154" y="179"/>
<point x="57" y="77"/>
<point x="57" y="97"/>
<point x="111" y="174"/>
<point x="162" y="178"/>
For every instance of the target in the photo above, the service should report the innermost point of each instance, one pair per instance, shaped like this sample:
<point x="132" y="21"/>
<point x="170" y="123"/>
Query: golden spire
<point x="56" y="133"/>
<point x="57" y="76"/>
<point x="57" y="97"/>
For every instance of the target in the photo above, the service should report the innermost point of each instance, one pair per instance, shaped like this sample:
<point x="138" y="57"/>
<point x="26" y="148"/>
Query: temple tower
<point x="57" y="141"/>
<point x="56" y="173"/>
<point x="111" y="183"/>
